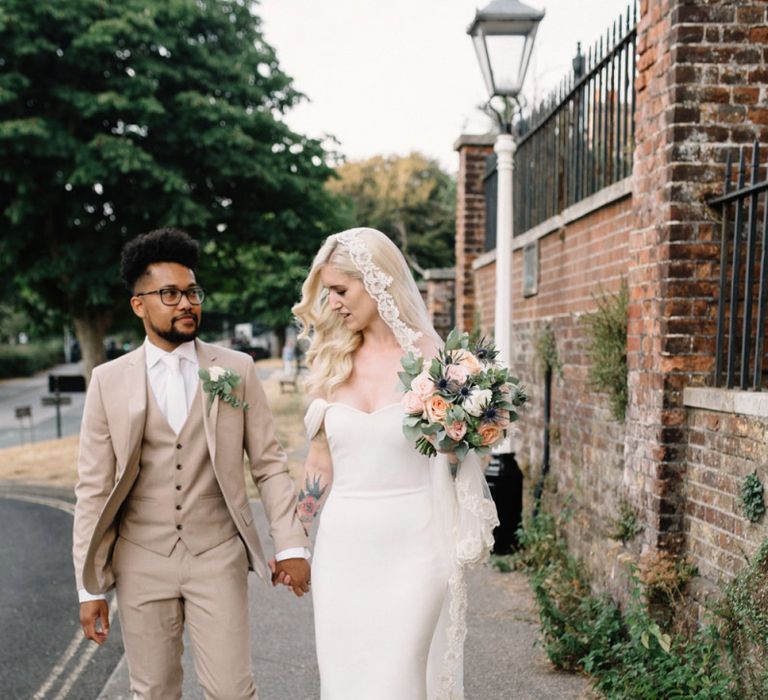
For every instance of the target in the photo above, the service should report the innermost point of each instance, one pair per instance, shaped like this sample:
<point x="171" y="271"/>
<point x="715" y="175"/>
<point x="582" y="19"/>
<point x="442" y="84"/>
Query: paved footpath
<point x="502" y="662"/>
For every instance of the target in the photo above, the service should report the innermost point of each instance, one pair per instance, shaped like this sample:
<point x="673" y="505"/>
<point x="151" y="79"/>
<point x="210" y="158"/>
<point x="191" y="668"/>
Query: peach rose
<point x="423" y="386"/>
<point x="457" y="373"/>
<point x="437" y="408"/>
<point x="470" y="362"/>
<point x="490" y="434"/>
<point x="456" y="430"/>
<point x="413" y="403"/>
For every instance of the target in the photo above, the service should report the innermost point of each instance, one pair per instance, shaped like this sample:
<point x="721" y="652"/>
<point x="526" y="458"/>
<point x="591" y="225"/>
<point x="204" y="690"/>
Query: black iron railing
<point x="740" y="343"/>
<point x="581" y="138"/>
<point x="491" y="188"/>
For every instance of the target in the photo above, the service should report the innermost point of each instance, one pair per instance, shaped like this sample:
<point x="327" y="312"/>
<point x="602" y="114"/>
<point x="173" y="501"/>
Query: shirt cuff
<point x="293" y="553"/>
<point x="86" y="597"/>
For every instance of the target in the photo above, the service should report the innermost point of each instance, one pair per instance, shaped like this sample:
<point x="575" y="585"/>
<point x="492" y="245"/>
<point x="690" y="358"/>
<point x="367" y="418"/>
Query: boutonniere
<point x="220" y="382"/>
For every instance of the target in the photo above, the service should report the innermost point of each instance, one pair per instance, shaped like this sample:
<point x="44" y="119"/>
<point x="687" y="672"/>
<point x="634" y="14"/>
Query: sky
<point x="395" y="76"/>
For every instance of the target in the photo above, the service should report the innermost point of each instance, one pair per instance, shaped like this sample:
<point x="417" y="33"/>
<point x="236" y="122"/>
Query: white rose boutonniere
<point x="220" y="382"/>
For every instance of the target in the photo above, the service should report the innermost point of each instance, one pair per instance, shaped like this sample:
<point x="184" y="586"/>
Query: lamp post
<point x="503" y="33"/>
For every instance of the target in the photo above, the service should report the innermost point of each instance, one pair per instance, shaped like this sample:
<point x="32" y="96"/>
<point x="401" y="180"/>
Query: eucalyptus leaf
<point x="453" y="341"/>
<point x="446" y="443"/>
<point x="412" y="432"/>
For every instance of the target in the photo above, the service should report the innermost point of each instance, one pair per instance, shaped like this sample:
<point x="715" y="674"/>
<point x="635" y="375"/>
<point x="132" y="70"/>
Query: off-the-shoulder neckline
<point x="354" y="408"/>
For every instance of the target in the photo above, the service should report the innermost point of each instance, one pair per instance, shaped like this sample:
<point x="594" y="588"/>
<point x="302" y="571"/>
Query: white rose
<point x="476" y="401"/>
<point x="215" y="373"/>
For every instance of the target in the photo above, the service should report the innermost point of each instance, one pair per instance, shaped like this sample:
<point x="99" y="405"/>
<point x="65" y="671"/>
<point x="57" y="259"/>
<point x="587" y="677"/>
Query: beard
<point x="172" y="335"/>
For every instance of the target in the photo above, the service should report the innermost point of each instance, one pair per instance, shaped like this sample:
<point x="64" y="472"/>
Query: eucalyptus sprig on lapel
<point x="220" y="382"/>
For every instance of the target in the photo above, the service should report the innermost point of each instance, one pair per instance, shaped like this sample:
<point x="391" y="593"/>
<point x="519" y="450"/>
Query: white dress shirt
<point x="157" y="378"/>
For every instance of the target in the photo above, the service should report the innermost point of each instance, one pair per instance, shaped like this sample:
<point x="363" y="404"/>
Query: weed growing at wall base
<point x="629" y="655"/>
<point x="607" y="348"/>
<point x="744" y="607"/>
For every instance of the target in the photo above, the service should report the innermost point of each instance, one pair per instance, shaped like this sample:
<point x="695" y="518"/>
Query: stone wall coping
<point x="474" y="140"/>
<point x="601" y="198"/>
<point x="747" y="403"/>
<point x="484" y="259"/>
<point x="440" y="273"/>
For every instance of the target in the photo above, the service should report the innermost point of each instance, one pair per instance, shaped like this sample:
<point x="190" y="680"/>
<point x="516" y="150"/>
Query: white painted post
<point x="505" y="152"/>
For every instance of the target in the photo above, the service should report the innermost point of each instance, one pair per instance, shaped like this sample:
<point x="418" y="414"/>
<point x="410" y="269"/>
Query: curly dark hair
<point x="162" y="245"/>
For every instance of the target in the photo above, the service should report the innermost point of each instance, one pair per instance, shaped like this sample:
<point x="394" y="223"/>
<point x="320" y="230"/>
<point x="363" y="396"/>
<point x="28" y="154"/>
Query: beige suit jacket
<point x="110" y="453"/>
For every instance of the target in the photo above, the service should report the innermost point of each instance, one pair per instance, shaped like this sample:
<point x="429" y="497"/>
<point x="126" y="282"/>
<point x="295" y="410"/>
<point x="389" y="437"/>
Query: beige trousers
<point x="157" y="594"/>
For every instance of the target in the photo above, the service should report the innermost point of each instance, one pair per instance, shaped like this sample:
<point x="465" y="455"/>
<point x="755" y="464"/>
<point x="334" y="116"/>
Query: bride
<point x="396" y="529"/>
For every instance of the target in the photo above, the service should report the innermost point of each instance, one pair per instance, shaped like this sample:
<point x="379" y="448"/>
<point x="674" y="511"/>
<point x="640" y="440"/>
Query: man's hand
<point x="94" y="619"/>
<point x="291" y="572"/>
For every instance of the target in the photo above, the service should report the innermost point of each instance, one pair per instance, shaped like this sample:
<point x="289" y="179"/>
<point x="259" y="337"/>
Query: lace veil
<point x="466" y="512"/>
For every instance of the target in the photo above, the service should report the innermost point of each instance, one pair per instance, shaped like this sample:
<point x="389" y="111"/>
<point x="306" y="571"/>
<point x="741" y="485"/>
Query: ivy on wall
<point x="752" y="497"/>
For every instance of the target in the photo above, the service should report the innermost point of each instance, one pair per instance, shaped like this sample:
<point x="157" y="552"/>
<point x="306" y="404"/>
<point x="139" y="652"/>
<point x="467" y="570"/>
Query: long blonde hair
<point x="332" y="344"/>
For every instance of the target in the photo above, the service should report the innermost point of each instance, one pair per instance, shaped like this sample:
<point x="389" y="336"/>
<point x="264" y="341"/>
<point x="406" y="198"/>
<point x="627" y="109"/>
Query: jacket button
<point x="178" y="487"/>
<point x="178" y="466"/>
<point x="178" y="446"/>
<point x="178" y="507"/>
<point x="178" y="527"/>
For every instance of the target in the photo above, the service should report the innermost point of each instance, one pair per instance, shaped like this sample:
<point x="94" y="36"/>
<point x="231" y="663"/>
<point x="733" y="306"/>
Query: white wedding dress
<point x="387" y="584"/>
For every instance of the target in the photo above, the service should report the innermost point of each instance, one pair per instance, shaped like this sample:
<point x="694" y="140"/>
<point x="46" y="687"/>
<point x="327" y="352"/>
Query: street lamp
<point x="503" y="33"/>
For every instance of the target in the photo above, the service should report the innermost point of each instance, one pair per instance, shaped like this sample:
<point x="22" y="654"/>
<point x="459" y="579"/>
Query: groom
<point x="162" y="512"/>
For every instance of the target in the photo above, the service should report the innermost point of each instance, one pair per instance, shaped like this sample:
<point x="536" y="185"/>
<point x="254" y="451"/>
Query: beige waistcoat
<point x="176" y="495"/>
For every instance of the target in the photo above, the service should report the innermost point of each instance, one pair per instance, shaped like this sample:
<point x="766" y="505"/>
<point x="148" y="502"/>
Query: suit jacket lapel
<point x="206" y="355"/>
<point x="136" y="390"/>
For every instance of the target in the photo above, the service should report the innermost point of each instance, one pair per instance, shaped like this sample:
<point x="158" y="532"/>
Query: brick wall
<point x="701" y="93"/>
<point x="584" y="259"/>
<point x="723" y="448"/>
<point x="470" y="221"/>
<point x="693" y="94"/>
<point x="440" y="298"/>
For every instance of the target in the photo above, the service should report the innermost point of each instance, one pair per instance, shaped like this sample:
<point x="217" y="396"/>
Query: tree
<point x="410" y="198"/>
<point x="117" y="118"/>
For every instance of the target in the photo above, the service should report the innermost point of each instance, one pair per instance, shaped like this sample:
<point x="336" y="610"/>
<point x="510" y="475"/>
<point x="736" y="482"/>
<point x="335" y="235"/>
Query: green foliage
<point x="607" y="348"/>
<point x="410" y="198"/>
<point x="744" y="608"/>
<point x="625" y="527"/>
<point x="546" y="351"/>
<point x="26" y="360"/>
<point x="502" y="563"/>
<point x="116" y="118"/>
<point x="752" y="497"/>
<point x="629" y="656"/>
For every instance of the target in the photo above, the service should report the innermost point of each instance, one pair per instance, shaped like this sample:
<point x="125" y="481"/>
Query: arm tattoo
<point x="310" y="497"/>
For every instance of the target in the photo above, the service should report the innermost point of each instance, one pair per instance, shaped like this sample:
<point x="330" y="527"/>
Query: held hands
<point x="94" y="619"/>
<point x="294" y="573"/>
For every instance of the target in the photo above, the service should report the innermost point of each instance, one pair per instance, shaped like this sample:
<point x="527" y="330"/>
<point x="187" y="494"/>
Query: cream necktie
<point x="175" y="394"/>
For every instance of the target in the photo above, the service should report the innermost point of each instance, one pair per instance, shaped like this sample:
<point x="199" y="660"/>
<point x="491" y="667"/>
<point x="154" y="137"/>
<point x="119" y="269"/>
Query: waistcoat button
<point x="178" y="527"/>
<point x="178" y="507"/>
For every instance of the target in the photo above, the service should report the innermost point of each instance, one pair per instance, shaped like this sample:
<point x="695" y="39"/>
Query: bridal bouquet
<point x="464" y="401"/>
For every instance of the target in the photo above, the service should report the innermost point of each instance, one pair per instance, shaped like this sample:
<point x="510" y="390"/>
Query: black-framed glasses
<point x="170" y="296"/>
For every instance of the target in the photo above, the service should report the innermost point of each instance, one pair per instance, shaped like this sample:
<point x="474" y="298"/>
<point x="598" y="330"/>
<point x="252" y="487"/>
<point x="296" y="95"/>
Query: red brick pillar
<point x="699" y="66"/>
<point x="470" y="221"/>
